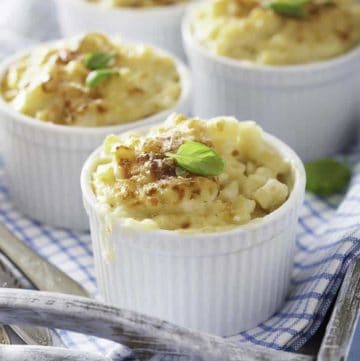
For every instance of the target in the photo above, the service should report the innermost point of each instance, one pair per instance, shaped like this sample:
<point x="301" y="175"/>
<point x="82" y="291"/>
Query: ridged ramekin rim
<point x="186" y="88"/>
<point x="294" y="201"/>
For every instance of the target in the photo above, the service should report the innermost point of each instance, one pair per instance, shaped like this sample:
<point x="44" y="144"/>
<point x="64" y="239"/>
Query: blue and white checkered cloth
<point x="328" y="239"/>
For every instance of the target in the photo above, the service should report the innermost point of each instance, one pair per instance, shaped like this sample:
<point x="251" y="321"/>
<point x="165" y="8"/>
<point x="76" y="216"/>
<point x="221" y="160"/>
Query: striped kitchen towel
<point x="328" y="239"/>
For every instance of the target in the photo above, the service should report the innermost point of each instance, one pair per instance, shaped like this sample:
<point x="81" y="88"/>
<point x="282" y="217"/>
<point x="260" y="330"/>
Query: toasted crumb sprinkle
<point x="136" y="177"/>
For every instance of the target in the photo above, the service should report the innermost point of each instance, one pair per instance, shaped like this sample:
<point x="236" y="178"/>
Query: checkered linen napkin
<point x="328" y="239"/>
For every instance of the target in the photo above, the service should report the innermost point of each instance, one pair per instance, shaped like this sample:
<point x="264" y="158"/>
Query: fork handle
<point x="41" y="273"/>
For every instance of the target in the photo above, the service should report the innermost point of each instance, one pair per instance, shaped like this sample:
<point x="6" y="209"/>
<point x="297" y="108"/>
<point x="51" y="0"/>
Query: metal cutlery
<point x="41" y="273"/>
<point x="29" y="334"/>
<point x="33" y="335"/>
<point x="145" y="336"/>
<point x="4" y="337"/>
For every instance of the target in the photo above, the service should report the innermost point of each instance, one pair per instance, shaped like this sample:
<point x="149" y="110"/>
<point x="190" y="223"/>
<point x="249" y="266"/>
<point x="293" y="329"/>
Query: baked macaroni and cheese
<point x="135" y="3"/>
<point x="92" y="81"/>
<point x="278" y="32"/>
<point x="190" y="174"/>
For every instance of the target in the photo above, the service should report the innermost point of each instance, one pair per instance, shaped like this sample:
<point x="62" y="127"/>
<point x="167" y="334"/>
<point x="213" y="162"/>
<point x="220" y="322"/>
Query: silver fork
<point x="4" y="337"/>
<point x="42" y="274"/>
<point x="28" y="334"/>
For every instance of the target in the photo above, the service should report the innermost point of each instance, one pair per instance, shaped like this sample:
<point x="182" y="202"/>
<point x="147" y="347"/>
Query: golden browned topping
<point x="278" y="32"/>
<point x="91" y="81"/>
<point x="136" y="181"/>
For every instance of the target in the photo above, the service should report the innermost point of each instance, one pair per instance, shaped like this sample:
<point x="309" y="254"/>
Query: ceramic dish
<point x="311" y="107"/>
<point x="43" y="160"/>
<point x="159" y="25"/>
<point x="219" y="282"/>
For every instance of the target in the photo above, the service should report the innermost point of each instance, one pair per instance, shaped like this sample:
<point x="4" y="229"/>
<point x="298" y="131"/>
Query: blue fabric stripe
<point x="324" y="275"/>
<point x="325" y="245"/>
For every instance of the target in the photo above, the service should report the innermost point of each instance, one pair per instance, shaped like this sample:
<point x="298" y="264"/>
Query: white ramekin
<point x="311" y="107"/>
<point x="160" y="25"/>
<point x="220" y="283"/>
<point x="43" y="161"/>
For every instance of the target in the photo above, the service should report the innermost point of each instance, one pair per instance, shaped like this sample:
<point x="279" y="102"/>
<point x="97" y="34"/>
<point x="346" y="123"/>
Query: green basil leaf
<point x="326" y="176"/>
<point x="96" y="77"/>
<point x="94" y="61"/>
<point x="292" y="8"/>
<point x="197" y="158"/>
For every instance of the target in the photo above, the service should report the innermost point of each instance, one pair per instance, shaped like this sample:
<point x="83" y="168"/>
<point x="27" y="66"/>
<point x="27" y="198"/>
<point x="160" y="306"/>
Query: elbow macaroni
<point x="136" y="183"/>
<point x="49" y="84"/>
<point x="244" y="30"/>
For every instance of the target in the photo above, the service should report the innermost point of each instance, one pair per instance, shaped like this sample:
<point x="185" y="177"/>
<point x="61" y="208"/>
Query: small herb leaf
<point x="197" y="158"/>
<point x="326" y="176"/>
<point x="98" y="60"/>
<point x="96" y="77"/>
<point x="292" y="8"/>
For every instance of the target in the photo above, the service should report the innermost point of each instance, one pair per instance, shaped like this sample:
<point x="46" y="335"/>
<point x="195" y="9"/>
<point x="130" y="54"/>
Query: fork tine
<point x="4" y="337"/>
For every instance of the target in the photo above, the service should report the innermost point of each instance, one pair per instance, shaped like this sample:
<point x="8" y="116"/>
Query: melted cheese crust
<point x="49" y="84"/>
<point x="135" y="3"/>
<point x="244" y="30"/>
<point x="135" y="182"/>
